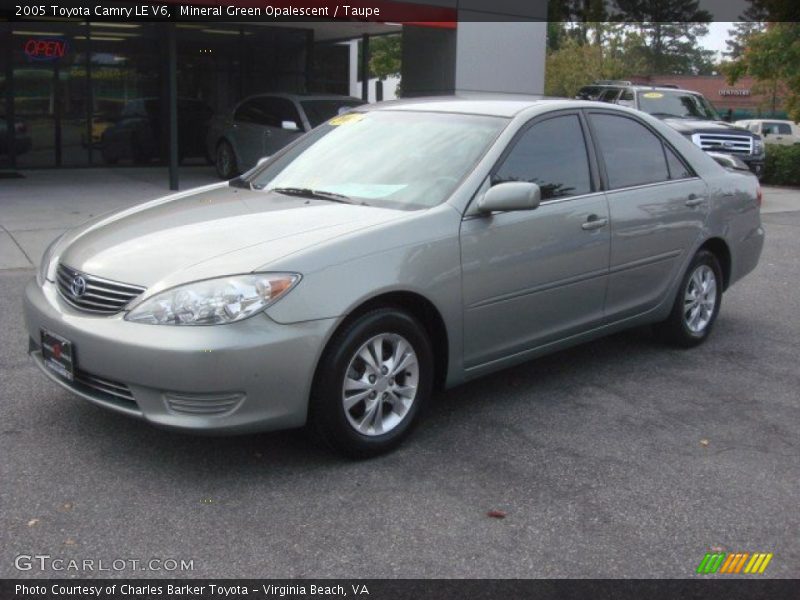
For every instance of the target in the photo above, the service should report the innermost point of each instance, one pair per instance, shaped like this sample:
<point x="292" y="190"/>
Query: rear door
<point x="658" y="208"/>
<point x="530" y="277"/>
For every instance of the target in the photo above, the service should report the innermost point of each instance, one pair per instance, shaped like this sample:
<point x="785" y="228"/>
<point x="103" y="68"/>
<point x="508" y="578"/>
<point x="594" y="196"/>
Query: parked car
<point x="593" y="92"/>
<point x="22" y="137"/>
<point x="692" y="115"/>
<point x="137" y="133"/>
<point x="399" y="248"/>
<point x="100" y="123"/>
<point x="261" y="125"/>
<point x="774" y="131"/>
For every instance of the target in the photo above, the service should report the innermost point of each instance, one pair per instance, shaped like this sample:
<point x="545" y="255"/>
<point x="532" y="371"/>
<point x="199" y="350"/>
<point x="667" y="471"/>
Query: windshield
<point x="677" y="104"/>
<point x="318" y="111"/>
<point x="399" y="159"/>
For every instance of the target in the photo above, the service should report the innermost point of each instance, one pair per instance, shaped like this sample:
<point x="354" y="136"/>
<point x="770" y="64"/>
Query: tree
<point x="386" y="56"/>
<point x="773" y="59"/>
<point x="669" y="31"/>
<point x="740" y="36"/>
<point x="575" y="65"/>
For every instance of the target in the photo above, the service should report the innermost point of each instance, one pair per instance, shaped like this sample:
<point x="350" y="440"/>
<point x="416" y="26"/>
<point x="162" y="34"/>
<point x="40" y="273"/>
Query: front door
<point x="658" y="208"/>
<point x="530" y="277"/>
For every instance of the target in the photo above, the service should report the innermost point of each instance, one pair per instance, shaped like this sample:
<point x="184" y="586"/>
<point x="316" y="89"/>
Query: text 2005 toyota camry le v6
<point x="389" y="251"/>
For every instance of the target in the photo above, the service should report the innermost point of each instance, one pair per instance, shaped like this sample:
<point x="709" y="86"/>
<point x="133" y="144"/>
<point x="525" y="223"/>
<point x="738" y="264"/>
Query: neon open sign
<point x="45" y="48"/>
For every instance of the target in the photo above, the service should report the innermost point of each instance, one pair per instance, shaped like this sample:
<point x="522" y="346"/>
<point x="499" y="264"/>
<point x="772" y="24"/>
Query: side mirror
<point x="514" y="195"/>
<point x="290" y="126"/>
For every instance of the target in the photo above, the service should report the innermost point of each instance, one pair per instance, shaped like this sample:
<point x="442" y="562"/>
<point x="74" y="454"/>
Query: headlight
<point x="214" y="301"/>
<point x="758" y="146"/>
<point x="44" y="266"/>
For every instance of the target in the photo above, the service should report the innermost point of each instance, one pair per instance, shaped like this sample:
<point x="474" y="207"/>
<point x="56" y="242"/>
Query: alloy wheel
<point x="700" y="299"/>
<point x="380" y="384"/>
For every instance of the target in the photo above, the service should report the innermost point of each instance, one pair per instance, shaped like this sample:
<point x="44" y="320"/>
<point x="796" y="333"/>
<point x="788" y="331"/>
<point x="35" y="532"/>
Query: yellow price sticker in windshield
<point x="345" y="119"/>
<point x="653" y="95"/>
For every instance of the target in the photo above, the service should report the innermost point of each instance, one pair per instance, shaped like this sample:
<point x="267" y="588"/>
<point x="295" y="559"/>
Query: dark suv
<point x="692" y="115"/>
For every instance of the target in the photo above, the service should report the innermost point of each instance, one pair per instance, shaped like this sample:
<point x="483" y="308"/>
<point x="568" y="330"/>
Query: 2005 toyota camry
<point x="393" y="250"/>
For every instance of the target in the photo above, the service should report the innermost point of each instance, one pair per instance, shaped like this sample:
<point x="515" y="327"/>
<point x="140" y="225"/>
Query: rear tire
<point x="225" y="161"/>
<point x="373" y="380"/>
<point x="696" y="305"/>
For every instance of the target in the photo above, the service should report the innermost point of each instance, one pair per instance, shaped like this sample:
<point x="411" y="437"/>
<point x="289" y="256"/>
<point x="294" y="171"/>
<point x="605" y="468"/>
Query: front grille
<point x="107" y="387"/>
<point x="98" y="295"/>
<point x="724" y="142"/>
<point x="203" y="405"/>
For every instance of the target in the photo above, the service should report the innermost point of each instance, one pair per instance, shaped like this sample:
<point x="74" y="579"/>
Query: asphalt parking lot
<point x="619" y="458"/>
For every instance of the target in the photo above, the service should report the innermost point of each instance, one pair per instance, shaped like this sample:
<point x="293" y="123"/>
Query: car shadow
<point x="138" y="444"/>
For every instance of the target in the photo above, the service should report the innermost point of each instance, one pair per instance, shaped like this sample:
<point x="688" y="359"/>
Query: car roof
<point x="303" y="97"/>
<point x="658" y="88"/>
<point x="494" y="105"/>
<point x="768" y="121"/>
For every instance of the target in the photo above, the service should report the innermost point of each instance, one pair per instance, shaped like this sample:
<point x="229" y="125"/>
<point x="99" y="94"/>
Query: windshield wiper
<point x="315" y="194"/>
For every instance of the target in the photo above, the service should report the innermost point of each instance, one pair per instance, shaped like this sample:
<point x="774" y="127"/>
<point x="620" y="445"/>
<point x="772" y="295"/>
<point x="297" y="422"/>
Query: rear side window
<point x="677" y="168"/>
<point x="776" y="129"/>
<point x="552" y="154"/>
<point x="633" y="154"/>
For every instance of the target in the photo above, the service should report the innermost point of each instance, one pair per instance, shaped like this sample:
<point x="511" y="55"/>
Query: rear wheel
<point x="225" y="161"/>
<point x="697" y="304"/>
<point x="371" y="384"/>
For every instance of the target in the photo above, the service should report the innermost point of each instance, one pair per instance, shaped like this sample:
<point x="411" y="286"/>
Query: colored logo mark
<point x="734" y="563"/>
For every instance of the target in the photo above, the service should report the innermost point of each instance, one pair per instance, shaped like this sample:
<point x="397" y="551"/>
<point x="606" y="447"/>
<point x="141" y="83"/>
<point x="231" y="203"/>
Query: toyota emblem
<point x="78" y="286"/>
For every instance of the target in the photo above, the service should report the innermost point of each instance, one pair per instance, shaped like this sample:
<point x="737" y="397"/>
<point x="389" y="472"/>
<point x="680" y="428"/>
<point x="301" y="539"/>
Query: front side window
<point x="395" y="159"/>
<point x="551" y="154"/>
<point x="609" y="96"/>
<point x="633" y="155"/>
<point x="260" y="111"/>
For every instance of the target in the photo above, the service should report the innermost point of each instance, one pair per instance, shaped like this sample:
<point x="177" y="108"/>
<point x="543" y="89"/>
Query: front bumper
<point x="254" y="375"/>
<point x="755" y="164"/>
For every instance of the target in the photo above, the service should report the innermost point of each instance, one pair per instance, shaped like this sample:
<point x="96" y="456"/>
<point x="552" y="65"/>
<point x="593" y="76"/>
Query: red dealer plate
<point x="57" y="354"/>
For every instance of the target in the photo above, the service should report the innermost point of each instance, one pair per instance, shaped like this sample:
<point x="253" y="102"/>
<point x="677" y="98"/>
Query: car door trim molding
<point x="649" y="185"/>
<point x="642" y="262"/>
<point x="541" y="288"/>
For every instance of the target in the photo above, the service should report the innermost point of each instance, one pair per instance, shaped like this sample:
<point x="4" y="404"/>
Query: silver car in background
<point x="260" y="125"/>
<point x="393" y="250"/>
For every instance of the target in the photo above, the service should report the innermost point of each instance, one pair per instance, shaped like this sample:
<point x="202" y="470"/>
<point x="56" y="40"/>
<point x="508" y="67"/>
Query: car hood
<point x="212" y="232"/>
<point x="689" y="126"/>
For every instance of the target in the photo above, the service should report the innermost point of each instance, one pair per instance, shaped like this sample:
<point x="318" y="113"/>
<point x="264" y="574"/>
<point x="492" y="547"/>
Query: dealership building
<point x="64" y="83"/>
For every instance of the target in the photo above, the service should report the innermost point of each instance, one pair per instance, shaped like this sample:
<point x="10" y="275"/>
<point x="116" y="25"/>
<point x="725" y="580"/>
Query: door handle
<point x="694" y="200"/>
<point x="594" y="222"/>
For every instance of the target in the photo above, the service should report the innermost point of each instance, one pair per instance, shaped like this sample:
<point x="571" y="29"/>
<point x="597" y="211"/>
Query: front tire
<point x="371" y="384"/>
<point x="696" y="305"/>
<point x="225" y="161"/>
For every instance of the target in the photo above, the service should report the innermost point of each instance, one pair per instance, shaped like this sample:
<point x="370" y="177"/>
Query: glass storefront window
<point x="91" y="93"/>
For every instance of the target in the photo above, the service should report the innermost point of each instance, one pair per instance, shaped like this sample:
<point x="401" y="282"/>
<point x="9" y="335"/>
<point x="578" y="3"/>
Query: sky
<point x="717" y="34"/>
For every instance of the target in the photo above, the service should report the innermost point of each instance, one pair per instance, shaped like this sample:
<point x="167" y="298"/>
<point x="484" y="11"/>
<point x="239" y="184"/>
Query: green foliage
<point x="739" y="37"/>
<point x="771" y="57"/>
<point x="386" y="56"/>
<point x="783" y="165"/>
<point x="575" y="65"/>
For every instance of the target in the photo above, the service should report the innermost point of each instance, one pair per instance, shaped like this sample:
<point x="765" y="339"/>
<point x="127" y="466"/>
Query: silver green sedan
<point x="391" y="251"/>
